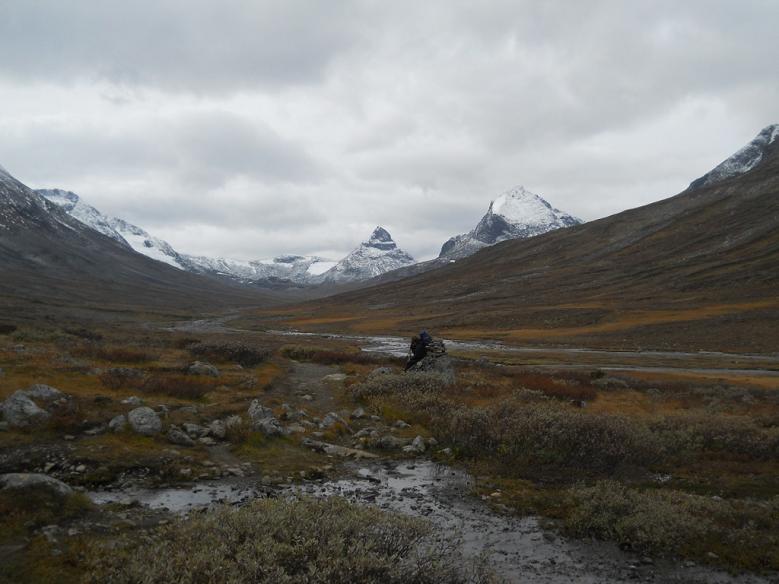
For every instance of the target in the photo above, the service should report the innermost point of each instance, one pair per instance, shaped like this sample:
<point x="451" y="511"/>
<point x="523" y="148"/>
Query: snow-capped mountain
<point x="293" y="268"/>
<point x="374" y="257"/>
<point x="516" y="214"/>
<point x="742" y="161"/>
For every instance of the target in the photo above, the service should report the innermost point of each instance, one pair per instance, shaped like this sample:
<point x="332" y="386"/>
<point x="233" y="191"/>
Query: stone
<point x="207" y="441"/>
<point x="334" y="378"/>
<point x="97" y="430"/>
<point x="201" y="368"/>
<point x="117" y="423"/>
<point x="81" y="468"/>
<point x="381" y="371"/>
<point x="177" y="436"/>
<point x="25" y="481"/>
<point x="296" y="429"/>
<point x="416" y="447"/>
<point x="133" y="401"/>
<point x="194" y="430"/>
<point x="307" y="397"/>
<point x="389" y="442"/>
<point x="19" y="411"/>
<point x="400" y="424"/>
<point x="233" y="422"/>
<point x="269" y="427"/>
<point x="335" y="450"/>
<point x="331" y="420"/>
<point x="188" y="410"/>
<point x="218" y="429"/>
<point x="43" y="392"/>
<point x="445" y="451"/>
<point x="145" y="420"/>
<point x="357" y="414"/>
<point x="258" y="412"/>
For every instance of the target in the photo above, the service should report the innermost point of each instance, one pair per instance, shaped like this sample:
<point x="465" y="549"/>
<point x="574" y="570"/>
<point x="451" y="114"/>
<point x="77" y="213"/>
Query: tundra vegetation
<point x="678" y="467"/>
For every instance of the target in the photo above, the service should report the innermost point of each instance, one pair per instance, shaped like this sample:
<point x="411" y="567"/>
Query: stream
<point x="518" y="548"/>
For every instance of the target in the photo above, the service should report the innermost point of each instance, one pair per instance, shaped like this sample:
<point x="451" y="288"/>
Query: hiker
<point x="418" y="349"/>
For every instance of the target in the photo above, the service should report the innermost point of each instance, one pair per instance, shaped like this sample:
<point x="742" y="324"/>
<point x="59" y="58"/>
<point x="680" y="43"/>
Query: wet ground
<point x="519" y="549"/>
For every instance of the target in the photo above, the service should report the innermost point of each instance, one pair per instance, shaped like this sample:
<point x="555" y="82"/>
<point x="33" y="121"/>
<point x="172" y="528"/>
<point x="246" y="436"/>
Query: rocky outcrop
<point x="263" y="420"/>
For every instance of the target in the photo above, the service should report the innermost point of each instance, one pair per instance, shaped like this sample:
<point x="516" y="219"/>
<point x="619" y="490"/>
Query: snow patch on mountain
<point x="742" y="161"/>
<point x="515" y="214"/>
<point x="378" y="255"/>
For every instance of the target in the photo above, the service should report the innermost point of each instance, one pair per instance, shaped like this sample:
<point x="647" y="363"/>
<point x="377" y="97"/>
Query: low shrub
<point x="285" y="542"/>
<point x="113" y="353"/>
<point x="241" y="353"/>
<point x="179" y="386"/>
<point x="739" y="533"/>
<point x="121" y="377"/>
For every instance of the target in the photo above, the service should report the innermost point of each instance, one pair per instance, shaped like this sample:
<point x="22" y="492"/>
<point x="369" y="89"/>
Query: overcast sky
<point x="248" y="129"/>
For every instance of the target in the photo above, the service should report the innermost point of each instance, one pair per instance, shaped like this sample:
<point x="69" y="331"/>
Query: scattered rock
<point x="331" y="420"/>
<point x="179" y="437"/>
<point x="258" y="412"/>
<point x="418" y="446"/>
<point x="218" y="429"/>
<point x="188" y="410"/>
<point x="26" y="481"/>
<point x="202" y="368"/>
<point x="95" y="431"/>
<point x="233" y="422"/>
<point x="400" y="424"/>
<point x="335" y="450"/>
<point x="195" y="430"/>
<point x="19" y="411"/>
<point x="389" y="442"/>
<point x="207" y="441"/>
<point x="296" y="429"/>
<point x="133" y="401"/>
<point x="269" y="427"/>
<point x="145" y="420"/>
<point x="118" y="423"/>
<point x="358" y="414"/>
<point x="81" y="468"/>
<point x="307" y="397"/>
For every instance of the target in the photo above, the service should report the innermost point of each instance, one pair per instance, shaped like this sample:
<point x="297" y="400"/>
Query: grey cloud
<point x="192" y="45"/>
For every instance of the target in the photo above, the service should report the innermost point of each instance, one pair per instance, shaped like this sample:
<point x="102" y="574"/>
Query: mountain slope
<point x="378" y="255"/>
<point x="48" y="256"/>
<point x="296" y="269"/>
<point x="515" y="214"/>
<point x="698" y="270"/>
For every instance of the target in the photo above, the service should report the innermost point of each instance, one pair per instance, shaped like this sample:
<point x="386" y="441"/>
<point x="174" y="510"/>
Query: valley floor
<point x="550" y="465"/>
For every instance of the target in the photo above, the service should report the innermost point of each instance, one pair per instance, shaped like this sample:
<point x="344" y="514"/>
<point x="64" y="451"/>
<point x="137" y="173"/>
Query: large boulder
<point x="145" y="420"/>
<point x="19" y="411"/>
<point x="43" y="392"/>
<point x="436" y="361"/>
<point x="22" y="481"/>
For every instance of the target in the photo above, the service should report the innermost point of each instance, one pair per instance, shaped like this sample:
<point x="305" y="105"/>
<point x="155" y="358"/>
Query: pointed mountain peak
<point x="380" y="235"/>
<point x="381" y="239"/>
<point x="742" y="161"/>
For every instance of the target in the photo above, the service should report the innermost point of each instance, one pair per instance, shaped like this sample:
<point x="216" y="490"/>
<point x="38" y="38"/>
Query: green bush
<point x="284" y="542"/>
